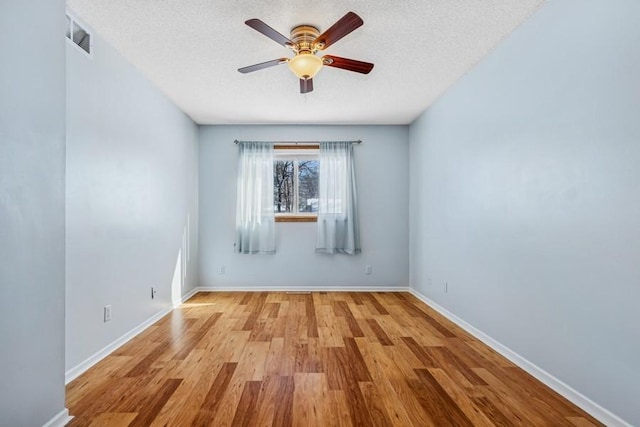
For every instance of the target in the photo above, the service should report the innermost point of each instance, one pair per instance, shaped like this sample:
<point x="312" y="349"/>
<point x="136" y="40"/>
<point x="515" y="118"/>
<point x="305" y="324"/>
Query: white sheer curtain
<point x="338" y="229"/>
<point x="255" y="221"/>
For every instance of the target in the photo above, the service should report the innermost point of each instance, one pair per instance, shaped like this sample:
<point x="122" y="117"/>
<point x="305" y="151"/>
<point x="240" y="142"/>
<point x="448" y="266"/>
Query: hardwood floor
<point x="320" y="359"/>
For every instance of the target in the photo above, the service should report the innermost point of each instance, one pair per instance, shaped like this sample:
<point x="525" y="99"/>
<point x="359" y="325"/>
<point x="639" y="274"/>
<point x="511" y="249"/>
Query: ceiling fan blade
<point x="263" y="28"/>
<point x="347" y="64"/>
<point x="306" y="85"/>
<point x="262" y="65"/>
<point x="344" y="26"/>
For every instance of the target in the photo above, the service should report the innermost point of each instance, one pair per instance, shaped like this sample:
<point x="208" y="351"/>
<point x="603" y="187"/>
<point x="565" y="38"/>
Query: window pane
<point x="308" y="182"/>
<point x="283" y="190"/>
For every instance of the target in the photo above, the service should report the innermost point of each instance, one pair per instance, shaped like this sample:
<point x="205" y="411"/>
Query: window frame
<point x="295" y="152"/>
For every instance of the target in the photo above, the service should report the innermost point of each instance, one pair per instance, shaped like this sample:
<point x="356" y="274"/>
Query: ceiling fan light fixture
<point x="305" y="41"/>
<point x="305" y="65"/>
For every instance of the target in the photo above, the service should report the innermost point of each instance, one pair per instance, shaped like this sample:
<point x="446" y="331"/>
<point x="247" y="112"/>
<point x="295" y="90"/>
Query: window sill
<point x="296" y="218"/>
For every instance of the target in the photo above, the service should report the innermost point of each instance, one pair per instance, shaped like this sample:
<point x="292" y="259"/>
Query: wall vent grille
<point x="79" y="35"/>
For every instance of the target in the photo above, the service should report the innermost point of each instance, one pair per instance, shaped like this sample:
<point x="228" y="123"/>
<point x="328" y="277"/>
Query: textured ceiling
<point x="191" y="49"/>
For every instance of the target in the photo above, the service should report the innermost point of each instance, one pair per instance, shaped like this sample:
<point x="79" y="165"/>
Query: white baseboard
<point x="60" y="419"/>
<point x="301" y="289"/>
<point x="185" y="297"/>
<point x="577" y="398"/>
<point x="79" y="369"/>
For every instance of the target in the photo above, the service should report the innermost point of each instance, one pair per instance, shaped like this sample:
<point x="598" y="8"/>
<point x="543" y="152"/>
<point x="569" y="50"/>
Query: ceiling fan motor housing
<point x="302" y="37"/>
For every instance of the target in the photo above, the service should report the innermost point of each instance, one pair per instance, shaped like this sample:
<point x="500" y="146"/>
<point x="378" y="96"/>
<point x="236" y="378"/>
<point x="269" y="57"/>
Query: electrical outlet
<point x="446" y="287"/>
<point x="368" y="269"/>
<point x="107" y="313"/>
<point x="154" y="291"/>
<point x="222" y="269"/>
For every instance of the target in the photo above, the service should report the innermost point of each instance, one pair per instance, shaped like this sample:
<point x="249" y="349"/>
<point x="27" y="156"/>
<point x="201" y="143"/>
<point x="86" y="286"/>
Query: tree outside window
<point x="295" y="186"/>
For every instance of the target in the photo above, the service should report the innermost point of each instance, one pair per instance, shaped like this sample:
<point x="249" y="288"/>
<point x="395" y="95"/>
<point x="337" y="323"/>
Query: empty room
<point x="345" y="213"/>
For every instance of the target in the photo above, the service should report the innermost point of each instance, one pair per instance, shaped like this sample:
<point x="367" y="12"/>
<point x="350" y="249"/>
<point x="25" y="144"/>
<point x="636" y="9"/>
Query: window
<point x="295" y="183"/>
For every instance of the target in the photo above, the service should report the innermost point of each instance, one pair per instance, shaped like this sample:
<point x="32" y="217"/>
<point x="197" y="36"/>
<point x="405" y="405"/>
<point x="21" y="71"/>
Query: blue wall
<point x="32" y="132"/>
<point x="383" y="202"/>
<point x="525" y="197"/>
<point x="131" y="194"/>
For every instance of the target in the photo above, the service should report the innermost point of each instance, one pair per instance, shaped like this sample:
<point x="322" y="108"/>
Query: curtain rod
<point x="299" y="142"/>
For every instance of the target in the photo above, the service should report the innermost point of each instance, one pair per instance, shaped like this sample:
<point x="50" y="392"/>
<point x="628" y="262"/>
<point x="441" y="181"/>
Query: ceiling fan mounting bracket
<point x="303" y="37"/>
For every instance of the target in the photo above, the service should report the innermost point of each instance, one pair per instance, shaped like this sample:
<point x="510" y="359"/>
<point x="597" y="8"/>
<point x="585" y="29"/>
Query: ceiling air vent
<point x="78" y="35"/>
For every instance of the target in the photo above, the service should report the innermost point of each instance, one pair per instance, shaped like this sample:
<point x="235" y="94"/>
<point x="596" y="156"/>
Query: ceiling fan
<point x="305" y="41"/>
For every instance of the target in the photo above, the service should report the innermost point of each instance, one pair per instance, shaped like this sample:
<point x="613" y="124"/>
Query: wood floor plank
<point x="113" y="419"/>
<point x="230" y="400"/>
<point x="144" y="365"/>
<point x="94" y="378"/>
<point x="371" y="299"/>
<point x="460" y="396"/>
<point x="453" y="365"/>
<point x="104" y="398"/>
<point x="246" y="298"/>
<point x="507" y="399"/>
<point x="489" y="354"/>
<point x="426" y="360"/>
<point x="542" y="407"/>
<point x="195" y="337"/>
<point x="263" y="330"/>
<point x="232" y="348"/>
<point x="287" y="362"/>
<point x="545" y="397"/>
<point x="380" y="334"/>
<point x="283" y="415"/>
<point x="356" y="365"/>
<point x="312" y="325"/>
<point x="341" y="309"/>
<point x="398" y="368"/>
<point x="412" y="405"/>
<point x="467" y="354"/>
<point x="274" y="355"/>
<point x="218" y="388"/>
<point x="491" y="411"/>
<point x="339" y="409"/>
<point x="404" y="360"/>
<point x="392" y="325"/>
<point x="331" y="335"/>
<point x="130" y="399"/>
<point x="265" y="406"/>
<point x="423" y="336"/>
<point x="316" y="359"/>
<point x="251" y="365"/>
<point x="152" y="407"/>
<point x="335" y="359"/>
<point x="375" y="405"/>
<point x="436" y="402"/>
<point x="580" y="422"/>
<point x="185" y="403"/>
<point x="360" y="414"/>
<point x="245" y="414"/>
<point x="309" y="399"/>
<point x="379" y="367"/>
<point x="272" y="308"/>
